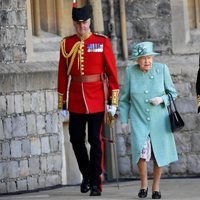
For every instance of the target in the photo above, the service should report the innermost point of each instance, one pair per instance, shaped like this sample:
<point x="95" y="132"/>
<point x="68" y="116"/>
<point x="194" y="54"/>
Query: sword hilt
<point x="108" y="140"/>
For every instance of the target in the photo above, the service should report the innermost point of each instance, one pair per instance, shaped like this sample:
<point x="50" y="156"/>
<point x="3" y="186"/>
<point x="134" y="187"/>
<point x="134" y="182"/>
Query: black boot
<point x="85" y="186"/>
<point x="156" y="195"/>
<point x="143" y="193"/>
<point x="95" y="191"/>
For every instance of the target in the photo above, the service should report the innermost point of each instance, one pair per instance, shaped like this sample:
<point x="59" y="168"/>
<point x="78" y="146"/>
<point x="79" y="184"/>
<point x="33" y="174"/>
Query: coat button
<point x="147" y="100"/>
<point x="148" y="118"/>
<point x="146" y="91"/>
<point x="147" y="110"/>
<point x="151" y="77"/>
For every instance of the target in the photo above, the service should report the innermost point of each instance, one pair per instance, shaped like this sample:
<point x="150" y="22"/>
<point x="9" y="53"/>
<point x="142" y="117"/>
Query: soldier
<point x="198" y="87"/>
<point x="88" y="59"/>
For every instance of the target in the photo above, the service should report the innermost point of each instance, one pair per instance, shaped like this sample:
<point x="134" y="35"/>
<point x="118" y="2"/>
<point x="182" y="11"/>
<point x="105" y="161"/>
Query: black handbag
<point x="175" y="119"/>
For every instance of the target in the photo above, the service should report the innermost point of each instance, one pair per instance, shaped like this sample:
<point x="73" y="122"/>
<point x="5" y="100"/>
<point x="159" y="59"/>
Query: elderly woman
<point x="144" y="100"/>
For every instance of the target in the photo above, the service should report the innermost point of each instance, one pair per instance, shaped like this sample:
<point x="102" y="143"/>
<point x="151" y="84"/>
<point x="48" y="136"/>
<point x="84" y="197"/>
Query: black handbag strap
<point x="171" y="100"/>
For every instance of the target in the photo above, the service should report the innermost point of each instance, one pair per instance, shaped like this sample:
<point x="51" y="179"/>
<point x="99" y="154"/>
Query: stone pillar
<point x="51" y="16"/>
<point x="36" y="15"/>
<point x="197" y="6"/>
<point x="97" y="16"/>
<point x="68" y="28"/>
<point x="59" y="16"/>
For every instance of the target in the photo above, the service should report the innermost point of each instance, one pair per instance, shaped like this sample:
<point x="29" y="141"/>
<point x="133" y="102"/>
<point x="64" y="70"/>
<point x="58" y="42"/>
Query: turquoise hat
<point x="143" y="49"/>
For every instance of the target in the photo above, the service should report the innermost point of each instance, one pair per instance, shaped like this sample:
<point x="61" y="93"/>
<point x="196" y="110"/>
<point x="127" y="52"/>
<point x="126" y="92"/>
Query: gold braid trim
<point x="198" y="100"/>
<point x="71" y="54"/>
<point x="60" y="101"/>
<point x="115" y="97"/>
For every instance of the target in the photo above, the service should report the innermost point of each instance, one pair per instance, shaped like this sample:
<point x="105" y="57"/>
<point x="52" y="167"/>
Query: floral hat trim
<point x="143" y="49"/>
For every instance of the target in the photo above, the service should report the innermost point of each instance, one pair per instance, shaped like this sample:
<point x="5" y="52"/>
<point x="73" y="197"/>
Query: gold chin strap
<point x="72" y="54"/>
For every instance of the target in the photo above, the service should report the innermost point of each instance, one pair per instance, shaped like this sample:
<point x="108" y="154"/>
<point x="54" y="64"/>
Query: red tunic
<point x="96" y="58"/>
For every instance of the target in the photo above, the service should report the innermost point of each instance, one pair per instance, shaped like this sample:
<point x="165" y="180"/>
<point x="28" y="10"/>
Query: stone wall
<point x="13" y="24"/>
<point x="30" y="146"/>
<point x="148" y="20"/>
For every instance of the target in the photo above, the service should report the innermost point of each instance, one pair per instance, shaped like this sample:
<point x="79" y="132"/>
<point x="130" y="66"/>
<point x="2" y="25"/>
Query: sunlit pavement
<point x="188" y="188"/>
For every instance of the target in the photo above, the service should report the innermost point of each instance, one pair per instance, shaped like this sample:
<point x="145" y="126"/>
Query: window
<point x="185" y="26"/>
<point x="48" y="22"/>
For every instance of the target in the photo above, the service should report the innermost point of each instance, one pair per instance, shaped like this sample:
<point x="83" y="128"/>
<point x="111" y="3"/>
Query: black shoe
<point x="95" y="191"/>
<point x="85" y="186"/>
<point x="143" y="193"/>
<point x="156" y="195"/>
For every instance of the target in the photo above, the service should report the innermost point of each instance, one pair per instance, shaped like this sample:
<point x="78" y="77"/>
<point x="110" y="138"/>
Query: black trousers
<point x="90" y="165"/>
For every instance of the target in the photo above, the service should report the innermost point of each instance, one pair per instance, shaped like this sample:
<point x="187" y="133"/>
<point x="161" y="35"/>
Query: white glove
<point x="156" y="100"/>
<point x="64" y="113"/>
<point x="125" y="128"/>
<point x="112" y="109"/>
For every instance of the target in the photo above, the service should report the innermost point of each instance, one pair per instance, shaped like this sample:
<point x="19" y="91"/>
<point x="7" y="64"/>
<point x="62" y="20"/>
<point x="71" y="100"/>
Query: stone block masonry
<point x="13" y="24"/>
<point x="30" y="152"/>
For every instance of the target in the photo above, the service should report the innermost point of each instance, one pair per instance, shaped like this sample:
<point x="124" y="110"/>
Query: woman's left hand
<point x="156" y="100"/>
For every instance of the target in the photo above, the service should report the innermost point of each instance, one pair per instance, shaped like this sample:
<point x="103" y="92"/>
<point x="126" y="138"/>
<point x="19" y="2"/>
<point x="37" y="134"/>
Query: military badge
<point x="95" y="47"/>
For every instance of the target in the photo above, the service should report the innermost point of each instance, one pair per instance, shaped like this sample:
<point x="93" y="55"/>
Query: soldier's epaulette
<point x="102" y="35"/>
<point x="65" y="38"/>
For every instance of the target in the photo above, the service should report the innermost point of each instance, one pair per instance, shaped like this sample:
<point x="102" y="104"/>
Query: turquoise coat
<point x="146" y="118"/>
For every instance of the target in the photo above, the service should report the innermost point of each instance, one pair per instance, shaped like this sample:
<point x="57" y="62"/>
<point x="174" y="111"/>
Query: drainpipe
<point x="111" y="28"/>
<point x="123" y="29"/>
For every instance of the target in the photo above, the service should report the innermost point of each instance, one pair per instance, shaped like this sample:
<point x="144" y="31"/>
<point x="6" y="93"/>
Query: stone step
<point x="46" y="37"/>
<point x="44" y="56"/>
<point x="46" y="46"/>
<point x="46" y="42"/>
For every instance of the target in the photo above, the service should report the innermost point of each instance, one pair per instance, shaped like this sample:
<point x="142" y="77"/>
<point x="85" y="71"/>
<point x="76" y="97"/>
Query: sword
<point x="115" y="156"/>
<point x="111" y="140"/>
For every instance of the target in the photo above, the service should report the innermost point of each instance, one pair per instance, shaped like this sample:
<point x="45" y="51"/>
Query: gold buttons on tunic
<point x="82" y="58"/>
